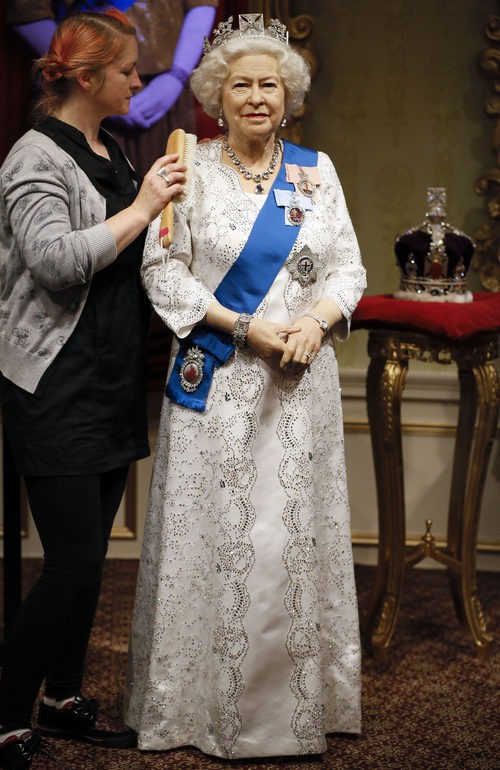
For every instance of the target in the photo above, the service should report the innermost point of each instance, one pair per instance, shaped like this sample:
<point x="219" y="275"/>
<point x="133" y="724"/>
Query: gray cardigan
<point x="52" y="240"/>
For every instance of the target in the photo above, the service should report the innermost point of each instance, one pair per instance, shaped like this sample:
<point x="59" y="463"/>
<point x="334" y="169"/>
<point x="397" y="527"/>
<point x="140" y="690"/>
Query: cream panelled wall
<point x="398" y="105"/>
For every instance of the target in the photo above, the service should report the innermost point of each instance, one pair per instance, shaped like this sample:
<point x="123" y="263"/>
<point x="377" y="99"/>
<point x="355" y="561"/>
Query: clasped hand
<point x="287" y="349"/>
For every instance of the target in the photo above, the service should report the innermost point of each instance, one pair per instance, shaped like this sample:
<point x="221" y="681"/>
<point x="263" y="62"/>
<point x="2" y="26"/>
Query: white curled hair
<point x="208" y="78"/>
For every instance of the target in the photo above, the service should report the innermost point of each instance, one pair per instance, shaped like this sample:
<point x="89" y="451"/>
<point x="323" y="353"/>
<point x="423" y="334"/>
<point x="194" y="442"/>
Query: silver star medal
<point x="302" y="268"/>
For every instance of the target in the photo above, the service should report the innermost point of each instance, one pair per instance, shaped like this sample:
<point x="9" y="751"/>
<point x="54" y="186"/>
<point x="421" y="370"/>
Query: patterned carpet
<point x="432" y="705"/>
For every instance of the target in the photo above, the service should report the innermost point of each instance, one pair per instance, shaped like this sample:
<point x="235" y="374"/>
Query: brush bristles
<point x="187" y="153"/>
<point x="185" y="145"/>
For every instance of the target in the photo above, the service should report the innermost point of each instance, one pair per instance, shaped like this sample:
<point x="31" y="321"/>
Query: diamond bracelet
<point x="240" y="330"/>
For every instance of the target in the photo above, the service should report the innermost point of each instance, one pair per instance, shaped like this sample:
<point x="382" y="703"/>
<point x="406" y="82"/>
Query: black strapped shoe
<point x="80" y="720"/>
<point x="28" y="752"/>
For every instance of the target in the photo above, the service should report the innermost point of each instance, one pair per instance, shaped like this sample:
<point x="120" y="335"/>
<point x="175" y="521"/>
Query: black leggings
<point x="49" y="639"/>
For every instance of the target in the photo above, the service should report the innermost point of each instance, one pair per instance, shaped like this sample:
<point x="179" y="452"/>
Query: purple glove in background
<point x="197" y="25"/>
<point x="37" y="34"/>
<point x="151" y="103"/>
<point x="155" y="99"/>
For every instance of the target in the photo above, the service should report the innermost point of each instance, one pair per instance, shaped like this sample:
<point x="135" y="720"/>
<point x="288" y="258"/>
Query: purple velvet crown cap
<point x="458" y="247"/>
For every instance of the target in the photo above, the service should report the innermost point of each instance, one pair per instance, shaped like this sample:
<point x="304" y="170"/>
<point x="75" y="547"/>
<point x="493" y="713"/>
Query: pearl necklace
<point x="247" y="173"/>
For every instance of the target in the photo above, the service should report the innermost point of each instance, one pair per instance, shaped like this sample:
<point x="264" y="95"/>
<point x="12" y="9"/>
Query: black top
<point x="88" y="414"/>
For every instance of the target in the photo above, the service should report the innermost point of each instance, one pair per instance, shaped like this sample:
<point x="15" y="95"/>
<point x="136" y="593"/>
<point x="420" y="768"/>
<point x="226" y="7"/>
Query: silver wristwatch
<point x="240" y="330"/>
<point x="322" y="324"/>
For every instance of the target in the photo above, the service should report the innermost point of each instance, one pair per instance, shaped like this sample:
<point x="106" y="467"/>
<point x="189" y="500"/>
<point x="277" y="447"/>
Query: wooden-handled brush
<point x="183" y="144"/>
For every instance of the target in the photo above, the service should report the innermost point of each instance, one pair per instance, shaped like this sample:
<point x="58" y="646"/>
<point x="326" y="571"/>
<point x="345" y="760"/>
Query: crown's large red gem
<point x="436" y="269"/>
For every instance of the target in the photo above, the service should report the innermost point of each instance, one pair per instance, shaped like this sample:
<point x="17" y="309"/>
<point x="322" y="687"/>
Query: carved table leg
<point x="385" y="383"/>
<point x="463" y="448"/>
<point x="479" y="396"/>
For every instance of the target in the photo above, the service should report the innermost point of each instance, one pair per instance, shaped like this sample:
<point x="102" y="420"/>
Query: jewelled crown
<point x="250" y="25"/>
<point x="434" y="257"/>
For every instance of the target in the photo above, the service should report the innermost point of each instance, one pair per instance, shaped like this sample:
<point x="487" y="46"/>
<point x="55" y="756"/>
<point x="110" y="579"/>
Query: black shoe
<point x="80" y="720"/>
<point x="28" y="752"/>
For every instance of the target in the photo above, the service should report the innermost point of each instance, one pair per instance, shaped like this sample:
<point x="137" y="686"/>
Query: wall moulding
<point x="368" y="539"/>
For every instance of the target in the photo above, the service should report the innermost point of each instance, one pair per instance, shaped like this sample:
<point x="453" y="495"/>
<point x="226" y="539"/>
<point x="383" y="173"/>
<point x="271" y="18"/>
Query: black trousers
<point x="74" y="516"/>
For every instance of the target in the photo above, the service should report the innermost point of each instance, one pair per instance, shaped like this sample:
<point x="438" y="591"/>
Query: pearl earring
<point x="283" y="122"/>
<point x="220" y="121"/>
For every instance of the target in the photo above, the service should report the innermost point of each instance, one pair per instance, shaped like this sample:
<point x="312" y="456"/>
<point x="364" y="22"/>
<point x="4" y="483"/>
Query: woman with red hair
<point x="73" y="327"/>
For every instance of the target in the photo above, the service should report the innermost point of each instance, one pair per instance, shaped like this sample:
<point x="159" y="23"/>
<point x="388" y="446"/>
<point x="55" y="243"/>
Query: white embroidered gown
<point x="245" y="638"/>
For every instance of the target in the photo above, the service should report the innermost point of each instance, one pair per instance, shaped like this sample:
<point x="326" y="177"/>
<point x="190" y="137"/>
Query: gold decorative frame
<point x="301" y="29"/>
<point x="487" y="258"/>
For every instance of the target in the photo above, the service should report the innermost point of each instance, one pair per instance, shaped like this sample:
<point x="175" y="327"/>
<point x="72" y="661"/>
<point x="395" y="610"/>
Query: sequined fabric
<point x="245" y="637"/>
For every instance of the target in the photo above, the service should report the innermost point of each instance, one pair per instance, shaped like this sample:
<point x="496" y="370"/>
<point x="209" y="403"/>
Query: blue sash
<point x="245" y="284"/>
<point x="92" y="6"/>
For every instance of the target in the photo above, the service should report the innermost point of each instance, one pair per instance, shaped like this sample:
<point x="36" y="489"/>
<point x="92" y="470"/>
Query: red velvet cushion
<point x="442" y="319"/>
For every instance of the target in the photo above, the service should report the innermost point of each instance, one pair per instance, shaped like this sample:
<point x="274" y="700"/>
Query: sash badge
<point x="191" y="372"/>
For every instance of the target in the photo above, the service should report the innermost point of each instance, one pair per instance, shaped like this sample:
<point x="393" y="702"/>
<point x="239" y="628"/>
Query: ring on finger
<point x="308" y="355"/>
<point x="164" y="175"/>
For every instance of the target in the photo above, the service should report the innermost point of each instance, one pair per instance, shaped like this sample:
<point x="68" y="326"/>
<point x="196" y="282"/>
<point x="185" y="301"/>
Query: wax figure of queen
<point x="170" y="37"/>
<point x="245" y="638"/>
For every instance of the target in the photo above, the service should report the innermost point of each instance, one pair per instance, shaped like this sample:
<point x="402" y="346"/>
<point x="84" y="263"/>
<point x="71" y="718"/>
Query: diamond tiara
<point x="250" y="25"/>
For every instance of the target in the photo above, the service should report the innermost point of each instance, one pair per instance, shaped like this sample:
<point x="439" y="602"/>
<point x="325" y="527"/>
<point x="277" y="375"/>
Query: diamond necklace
<point x="247" y="173"/>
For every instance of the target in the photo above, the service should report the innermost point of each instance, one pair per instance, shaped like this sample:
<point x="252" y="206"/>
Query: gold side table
<point x="390" y="350"/>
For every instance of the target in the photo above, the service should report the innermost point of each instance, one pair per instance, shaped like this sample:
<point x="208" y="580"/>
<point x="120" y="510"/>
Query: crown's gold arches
<point x="300" y="28"/>
<point x="487" y="237"/>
